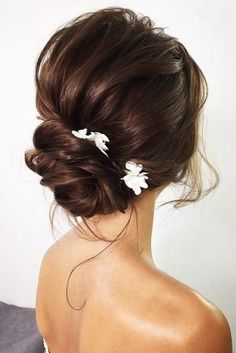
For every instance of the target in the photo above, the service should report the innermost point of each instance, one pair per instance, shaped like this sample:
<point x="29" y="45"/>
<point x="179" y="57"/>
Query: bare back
<point x="130" y="306"/>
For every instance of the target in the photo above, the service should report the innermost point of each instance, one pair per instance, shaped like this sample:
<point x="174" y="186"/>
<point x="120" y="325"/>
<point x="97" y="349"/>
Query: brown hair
<point x="112" y="71"/>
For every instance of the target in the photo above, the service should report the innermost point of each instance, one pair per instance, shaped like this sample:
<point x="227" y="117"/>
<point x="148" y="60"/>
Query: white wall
<point x="195" y="244"/>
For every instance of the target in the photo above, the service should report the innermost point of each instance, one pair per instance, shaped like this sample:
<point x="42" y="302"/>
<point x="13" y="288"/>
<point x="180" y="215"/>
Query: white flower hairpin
<point x="99" y="138"/>
<point x="133" y="178"/>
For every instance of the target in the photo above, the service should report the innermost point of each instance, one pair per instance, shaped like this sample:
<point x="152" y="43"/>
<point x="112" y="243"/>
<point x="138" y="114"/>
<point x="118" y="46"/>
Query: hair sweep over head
<point x="112" y="71"/>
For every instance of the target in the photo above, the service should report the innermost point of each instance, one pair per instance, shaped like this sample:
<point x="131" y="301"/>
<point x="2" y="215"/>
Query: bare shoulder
<point x="213" y="335"/>
<point x="216" y="328"/>
<point x="152" y="311"/>
<point x="195" y="324"/>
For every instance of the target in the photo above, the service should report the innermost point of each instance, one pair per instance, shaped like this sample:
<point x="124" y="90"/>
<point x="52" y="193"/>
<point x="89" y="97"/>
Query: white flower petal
<point x="101" y="136"/>
<point x="143" y="183"/>
<point x="133" y="167"/>
<point x="80" y="133"/>
<point x="137" y="190"/>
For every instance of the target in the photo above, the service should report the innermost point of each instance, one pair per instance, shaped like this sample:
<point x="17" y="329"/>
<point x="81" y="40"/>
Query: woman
<point x="120" y="103"/>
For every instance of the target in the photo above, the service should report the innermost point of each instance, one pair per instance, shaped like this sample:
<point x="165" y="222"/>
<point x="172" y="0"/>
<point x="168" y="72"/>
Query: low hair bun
<point x="93" y="190"/>
<point x="84" y="181"/>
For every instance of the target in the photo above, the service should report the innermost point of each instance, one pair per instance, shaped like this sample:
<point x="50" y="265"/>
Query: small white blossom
<point x="133" y="178"/>
<point x="99" y="138"/>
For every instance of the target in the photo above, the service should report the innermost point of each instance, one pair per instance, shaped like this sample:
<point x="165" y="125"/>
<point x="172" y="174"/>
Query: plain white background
<point x="196" y="244"/>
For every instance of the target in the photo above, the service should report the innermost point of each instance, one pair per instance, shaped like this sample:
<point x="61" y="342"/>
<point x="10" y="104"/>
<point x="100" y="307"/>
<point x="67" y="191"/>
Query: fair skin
<point x="131" y="305"/>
